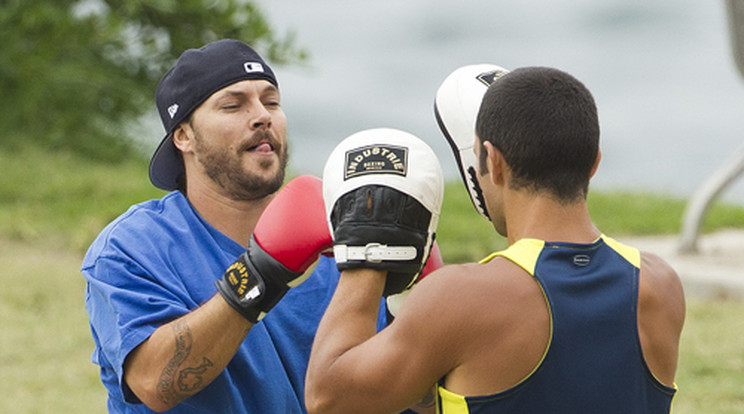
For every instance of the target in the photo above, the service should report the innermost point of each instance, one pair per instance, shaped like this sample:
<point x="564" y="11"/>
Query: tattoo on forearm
<point x="182" y="333"/>
<point x="190" y="379"/>
<point x="176" y="384"/>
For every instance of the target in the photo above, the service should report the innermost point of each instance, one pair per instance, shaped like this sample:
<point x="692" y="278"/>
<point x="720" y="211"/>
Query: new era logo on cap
<point x="172" y="110"/>
<point x="252" y="67"/>
<point x="489" y="77"/>
<point x="376" y="159"/>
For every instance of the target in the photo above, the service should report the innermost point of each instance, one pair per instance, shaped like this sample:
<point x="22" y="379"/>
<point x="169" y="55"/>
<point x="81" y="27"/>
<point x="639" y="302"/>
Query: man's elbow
<point x="317" y="401"/>
<point x="320" y="406"/>
<point x="148" y="392"/>
<point x="313" y="405"/>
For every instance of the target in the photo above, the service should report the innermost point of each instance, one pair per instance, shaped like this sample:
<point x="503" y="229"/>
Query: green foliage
<point x="76" y="74"/>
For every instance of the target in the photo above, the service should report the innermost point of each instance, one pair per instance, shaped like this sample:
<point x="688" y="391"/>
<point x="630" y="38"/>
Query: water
<point x="670" y="99"/>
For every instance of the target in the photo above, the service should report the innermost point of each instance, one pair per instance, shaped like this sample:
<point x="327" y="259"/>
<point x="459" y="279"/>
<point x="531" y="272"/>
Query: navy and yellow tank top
<point x="593" y="363"/>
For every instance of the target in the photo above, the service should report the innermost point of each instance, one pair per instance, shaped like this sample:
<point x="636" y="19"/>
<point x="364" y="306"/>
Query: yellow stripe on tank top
<point x="451" y="403"/>
<point x="524" y="253"/>
<point x="630" y="254"/>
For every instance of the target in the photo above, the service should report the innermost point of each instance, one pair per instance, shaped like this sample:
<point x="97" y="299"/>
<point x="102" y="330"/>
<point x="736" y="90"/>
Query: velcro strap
<point x="373" y="253"/>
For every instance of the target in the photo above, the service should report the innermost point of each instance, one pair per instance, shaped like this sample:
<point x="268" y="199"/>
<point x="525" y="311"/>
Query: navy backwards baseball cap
<point x="197" y="75"/>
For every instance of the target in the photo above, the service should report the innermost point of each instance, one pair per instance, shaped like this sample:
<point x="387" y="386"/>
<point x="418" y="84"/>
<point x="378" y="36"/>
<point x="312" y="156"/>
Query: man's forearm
<point x="182" y="357"/>
<point x="351" y="319"/>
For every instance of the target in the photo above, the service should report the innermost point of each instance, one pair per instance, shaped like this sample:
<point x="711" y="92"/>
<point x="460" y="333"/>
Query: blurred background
<point x="669" y="96"/>
<point x="78" y="124"/>
<point x="670" y="99"/>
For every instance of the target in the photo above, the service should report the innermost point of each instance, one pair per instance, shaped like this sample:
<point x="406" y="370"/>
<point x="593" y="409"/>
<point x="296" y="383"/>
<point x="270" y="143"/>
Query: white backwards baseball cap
<point x="456" y="107"/>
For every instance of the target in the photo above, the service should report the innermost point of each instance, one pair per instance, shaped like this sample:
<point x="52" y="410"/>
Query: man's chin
<point x="261" y="162"/>
<point x="254" y="189"/>
<point x="264" y="171"/>
<point x="258" y="183"/>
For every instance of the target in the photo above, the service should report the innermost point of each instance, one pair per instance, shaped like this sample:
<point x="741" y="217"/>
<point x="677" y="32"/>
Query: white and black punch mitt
<point x="456" y="108"/>
<point x="383" y="191"/>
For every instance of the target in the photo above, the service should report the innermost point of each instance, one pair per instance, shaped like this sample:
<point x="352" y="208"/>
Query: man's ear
<point x="183" y="137"/>
<point x="596" y="163"/>
<point x="495" y="163"/>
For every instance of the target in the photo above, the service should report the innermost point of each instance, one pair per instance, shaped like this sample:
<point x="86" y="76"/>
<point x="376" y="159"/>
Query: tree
<point x="76" y="74"/>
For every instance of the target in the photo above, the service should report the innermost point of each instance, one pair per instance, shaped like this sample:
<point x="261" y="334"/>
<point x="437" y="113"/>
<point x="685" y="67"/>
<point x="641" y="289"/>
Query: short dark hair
<point x="544" y="122"/>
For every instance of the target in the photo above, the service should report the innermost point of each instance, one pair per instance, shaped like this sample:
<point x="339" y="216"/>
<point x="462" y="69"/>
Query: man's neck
<point x="235" y="219"/>
<point x="540" y="217"/>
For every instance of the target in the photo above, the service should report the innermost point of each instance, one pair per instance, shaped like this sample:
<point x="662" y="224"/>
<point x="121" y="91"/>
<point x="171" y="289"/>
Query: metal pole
<point x="719" y="180"/>
<point x="703" y="198"/>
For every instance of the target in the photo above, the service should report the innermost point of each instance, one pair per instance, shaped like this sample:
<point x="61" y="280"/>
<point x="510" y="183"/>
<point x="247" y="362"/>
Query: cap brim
<point x="166" y="165"/>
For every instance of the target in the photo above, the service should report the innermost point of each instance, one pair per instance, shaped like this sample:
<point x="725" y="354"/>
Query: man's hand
<point x="289" y="236"/>
<point x="383" y="191"/>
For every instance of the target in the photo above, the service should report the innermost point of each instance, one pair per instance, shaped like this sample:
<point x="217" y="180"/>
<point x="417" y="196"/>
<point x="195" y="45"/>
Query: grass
<point x="648" y="214"/>
<point x="62" y="200"/>
<point x="464" y="236"/>
<point x="711" y="363"/>
<point x="52" y="205"/>
<point x="46" y="345"/>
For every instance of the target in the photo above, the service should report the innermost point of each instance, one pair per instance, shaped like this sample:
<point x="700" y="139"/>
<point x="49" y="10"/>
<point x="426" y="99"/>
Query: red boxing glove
<point x="289" y="236"/>
<point x="293" y="228"/>
<point x="434" y="262"/>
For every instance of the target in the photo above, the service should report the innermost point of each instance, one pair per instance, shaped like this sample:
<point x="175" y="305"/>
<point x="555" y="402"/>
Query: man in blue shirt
<point x="165" y="338"/>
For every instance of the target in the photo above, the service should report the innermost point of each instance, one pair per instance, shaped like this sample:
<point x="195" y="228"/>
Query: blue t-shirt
<point x="159" y="261"/>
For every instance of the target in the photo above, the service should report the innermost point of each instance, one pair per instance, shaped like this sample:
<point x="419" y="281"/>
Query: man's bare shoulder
<point x="473" y="275"/>
<point x="479" y="316"/>
<point x="661" y="316"/>
<point x="465" y="288"/>
<point x="660" y="286"/>
<point x="659" y="275"/>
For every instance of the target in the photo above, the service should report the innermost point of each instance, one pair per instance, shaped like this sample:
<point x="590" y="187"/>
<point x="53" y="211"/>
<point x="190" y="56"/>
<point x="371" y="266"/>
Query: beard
<point x="227" y="171"/>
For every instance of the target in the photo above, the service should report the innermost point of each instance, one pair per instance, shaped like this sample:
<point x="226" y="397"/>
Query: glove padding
<point x="395" y="222"/>
<point x="287" y="240"/>
<point x="456" y="107"/>
<point x="383" y="191"/>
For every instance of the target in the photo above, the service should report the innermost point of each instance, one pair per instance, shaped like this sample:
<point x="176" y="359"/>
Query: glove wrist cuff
<point x="373" y="253"/>
<point x="253" y="315"/>
<point x="244" y="288"/>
